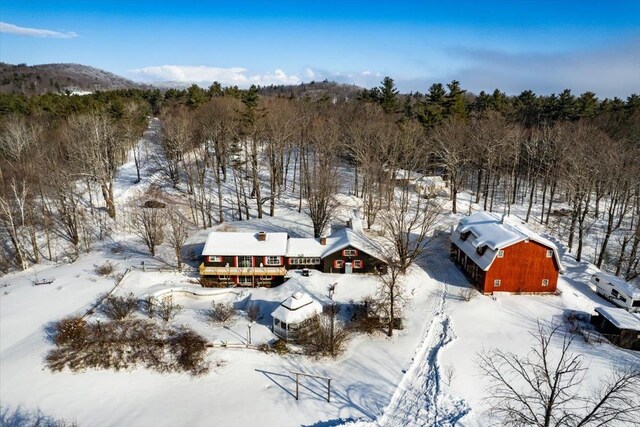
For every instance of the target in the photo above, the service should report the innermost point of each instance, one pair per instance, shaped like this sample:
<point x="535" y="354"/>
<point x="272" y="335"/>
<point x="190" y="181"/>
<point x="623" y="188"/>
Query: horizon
<point x="540" y="46"/>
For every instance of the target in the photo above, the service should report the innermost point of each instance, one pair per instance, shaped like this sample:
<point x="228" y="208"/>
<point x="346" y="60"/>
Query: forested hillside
<point x="58" y="78"/>
<point x="575" y="158"/>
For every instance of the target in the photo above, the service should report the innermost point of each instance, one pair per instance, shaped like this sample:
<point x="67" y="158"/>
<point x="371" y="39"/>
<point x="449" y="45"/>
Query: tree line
<point x="59" y="155"/>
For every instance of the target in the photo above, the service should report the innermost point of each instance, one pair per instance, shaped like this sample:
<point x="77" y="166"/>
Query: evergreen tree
<point x="388" y="95"/>
<point x="587" y="105"/>
<point x="455" y="103"/>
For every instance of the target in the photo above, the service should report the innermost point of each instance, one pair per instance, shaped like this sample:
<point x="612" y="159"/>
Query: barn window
<point x="338" y="263"/>
<point x="463" y="236"/>
<point x="500" y="253"/>
<point x="481" y="249"/>
<point x="349" y="252"/>
<point x="272" y="260"/>
<point x="545" y="282"/>
<point x="497" y="283"/>
<point x="549" y="253"/>
<point x="357" y="263"/>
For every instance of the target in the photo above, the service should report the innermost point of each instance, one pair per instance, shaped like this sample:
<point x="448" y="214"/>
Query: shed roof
<point x="487" y="229"/>
<point x="620" y="318"/>
<point x="245" y="244"/>
<point x="297" y="308"/>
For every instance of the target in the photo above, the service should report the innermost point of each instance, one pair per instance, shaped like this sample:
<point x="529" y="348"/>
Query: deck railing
<point x="241" y="271"/>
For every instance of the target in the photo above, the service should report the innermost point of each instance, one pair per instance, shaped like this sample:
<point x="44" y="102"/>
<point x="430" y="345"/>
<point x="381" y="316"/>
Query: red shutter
<point x="336" y="263"/>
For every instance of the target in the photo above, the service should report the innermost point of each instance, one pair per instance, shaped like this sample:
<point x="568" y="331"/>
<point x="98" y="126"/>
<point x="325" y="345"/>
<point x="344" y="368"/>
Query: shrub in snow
<point x="167" y="309"/>
<point x="127" y="344"/>
<point x="118" y="307"/>
<point x="105" y="269"/>
<point x="149" y="306"/>
<point x="221" y="312"/>
<point x="189" y="350"/>
<point x="253" y="312"/>
<point x="71" y="330"/>
<point x="467" y="294"/>
<point x="325" y="335"/>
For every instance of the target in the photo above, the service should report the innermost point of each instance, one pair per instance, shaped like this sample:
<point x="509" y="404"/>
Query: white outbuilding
<point x="293" y="314"/>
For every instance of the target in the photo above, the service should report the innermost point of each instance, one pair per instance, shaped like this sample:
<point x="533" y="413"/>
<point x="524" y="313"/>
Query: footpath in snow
<point x="419" y="399"/>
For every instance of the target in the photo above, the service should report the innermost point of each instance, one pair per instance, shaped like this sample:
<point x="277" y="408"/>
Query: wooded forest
<point x="576" y="158"/>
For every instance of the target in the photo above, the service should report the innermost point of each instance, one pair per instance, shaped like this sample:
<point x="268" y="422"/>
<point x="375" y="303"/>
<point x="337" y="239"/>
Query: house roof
<point x="630" y="289"/>
<point x="297" y="308"/>
<point x="244" y="244"/>
<point x="308" y="247"/>
<point x="620" y="318"/>
<point x="487" y="229"/>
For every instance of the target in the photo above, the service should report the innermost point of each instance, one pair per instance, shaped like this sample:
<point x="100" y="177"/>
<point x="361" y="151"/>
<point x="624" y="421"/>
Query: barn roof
<point x="484" y="229"/>
<point x="620" y="318"/>
<point x="243" y="243"/>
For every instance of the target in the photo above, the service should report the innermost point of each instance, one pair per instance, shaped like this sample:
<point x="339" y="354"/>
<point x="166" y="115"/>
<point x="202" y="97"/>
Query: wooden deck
<point x="242" y="271"/>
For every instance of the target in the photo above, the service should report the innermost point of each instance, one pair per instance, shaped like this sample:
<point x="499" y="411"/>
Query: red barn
<point x="504" y="257"/>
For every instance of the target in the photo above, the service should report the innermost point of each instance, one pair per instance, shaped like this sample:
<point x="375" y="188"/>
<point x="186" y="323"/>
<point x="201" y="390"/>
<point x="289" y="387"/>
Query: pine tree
<point x="388" y="95"/>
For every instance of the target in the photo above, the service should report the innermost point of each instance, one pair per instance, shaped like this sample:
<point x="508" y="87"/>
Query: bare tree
<point x="388" y="304"/>
<point x="409" y="224"/>
<point x="452" y="150"/>
<point x="98" y="146"/>
<point x="149" y="225"/>
<point x="177" y="235"/>
<point x="545" y="389"/>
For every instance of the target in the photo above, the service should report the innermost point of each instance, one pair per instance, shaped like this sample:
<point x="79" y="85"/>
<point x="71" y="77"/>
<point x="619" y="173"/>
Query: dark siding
<point x="369" y="263"/>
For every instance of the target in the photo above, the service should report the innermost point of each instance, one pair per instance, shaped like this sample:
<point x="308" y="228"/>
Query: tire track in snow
<point x="418" y="400"/>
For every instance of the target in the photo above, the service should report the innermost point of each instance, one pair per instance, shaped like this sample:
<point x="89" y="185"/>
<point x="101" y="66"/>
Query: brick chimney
<point x="323" y="241"/>
<point x="262" y="236"/>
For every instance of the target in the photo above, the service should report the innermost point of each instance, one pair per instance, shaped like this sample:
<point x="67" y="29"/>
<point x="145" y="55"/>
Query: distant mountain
<point x="59" y="78"/>
<point x="314" y="90"/>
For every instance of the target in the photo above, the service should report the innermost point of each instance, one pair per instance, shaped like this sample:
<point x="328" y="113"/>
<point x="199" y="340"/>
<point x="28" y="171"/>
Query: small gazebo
<point x="293" y="314"/>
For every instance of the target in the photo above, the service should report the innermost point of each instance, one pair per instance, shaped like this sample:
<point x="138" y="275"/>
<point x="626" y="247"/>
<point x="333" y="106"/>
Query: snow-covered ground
<point x="426" y="375"/>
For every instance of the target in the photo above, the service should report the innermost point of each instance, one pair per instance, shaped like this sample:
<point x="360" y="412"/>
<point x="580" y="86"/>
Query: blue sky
<point x="513" y="45"/>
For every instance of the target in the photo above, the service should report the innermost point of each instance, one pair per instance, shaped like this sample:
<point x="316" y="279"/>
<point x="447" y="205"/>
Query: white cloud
<point x="204" y="74"/>
<point x="35" y="32"/>
<point x="308" y="72"/>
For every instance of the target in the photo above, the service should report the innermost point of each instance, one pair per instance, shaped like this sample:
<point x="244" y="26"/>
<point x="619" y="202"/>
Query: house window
<point x="266" y="278"/>
<point x="338" y="263"/>
<point x="223" y="277"/>
<point x="550" y="253"/>
<point x="349" y="252"/>
<point x="214" y="259"/>
<point x="272" y="260"/>
<point x="497" y="283"/>
<point x="245" y="261"/>
<point x="357" y="263"/>
<point x="545" y="282"/>
<point x="245" y="279"/>
<point x="304" y="261"/>
<point x="500" y="253"/>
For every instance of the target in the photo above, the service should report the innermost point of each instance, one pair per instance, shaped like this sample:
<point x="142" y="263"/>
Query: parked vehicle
<point x="623" y="294"/>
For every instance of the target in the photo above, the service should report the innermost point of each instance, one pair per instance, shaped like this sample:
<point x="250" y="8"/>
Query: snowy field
<point x="400" y="381"/>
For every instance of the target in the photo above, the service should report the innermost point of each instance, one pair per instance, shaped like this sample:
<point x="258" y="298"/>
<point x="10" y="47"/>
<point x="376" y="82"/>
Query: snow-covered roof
<point x="487" y="229"/>
<point x="620" y="318"/>
<point x="305" y="247"/>
<point x="245" y="244"/>
<point x="630" y="289"/>
<point x="308" y="247"/>
<point x="297" y="308"/>
<point x="432" y="181"/>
